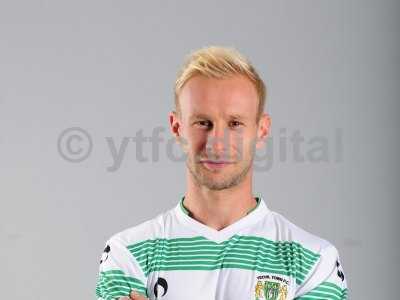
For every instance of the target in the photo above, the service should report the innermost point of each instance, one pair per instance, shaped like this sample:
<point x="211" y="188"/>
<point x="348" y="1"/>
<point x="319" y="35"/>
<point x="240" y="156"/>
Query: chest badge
<point x="271" y="287"/>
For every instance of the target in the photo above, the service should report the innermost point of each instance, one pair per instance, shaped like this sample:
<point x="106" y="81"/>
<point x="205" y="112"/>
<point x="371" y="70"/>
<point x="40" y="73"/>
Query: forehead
<point x="233" y="96"/>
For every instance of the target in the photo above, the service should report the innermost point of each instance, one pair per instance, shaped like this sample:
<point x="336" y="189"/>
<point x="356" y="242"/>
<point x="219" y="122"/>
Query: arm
<point x="134" y="296"/>
<point x="326" y="281"/>
<point x="119" y="273"/>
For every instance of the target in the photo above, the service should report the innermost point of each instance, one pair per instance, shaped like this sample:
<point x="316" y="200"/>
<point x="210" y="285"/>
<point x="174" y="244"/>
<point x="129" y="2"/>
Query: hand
<point x="134" y="296"/>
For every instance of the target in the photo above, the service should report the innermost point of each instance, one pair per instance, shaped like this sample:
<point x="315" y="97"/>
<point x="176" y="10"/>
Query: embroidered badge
<point x="271" y="287"/>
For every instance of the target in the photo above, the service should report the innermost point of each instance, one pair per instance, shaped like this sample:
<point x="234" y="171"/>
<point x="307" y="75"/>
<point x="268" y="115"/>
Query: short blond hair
<point x="219" y="62"/>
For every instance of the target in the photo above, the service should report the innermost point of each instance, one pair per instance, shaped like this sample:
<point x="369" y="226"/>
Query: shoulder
<point x="320" y="255"/>
<point x="286" y="230"/>
<point x="321" y="272"/>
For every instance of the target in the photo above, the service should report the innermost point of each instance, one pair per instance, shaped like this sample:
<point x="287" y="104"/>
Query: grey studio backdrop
<point x="107" y="68"/>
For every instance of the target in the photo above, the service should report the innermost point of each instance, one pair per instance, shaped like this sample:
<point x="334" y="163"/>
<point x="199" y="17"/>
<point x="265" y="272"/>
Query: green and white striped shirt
<point x="260" y="256"/>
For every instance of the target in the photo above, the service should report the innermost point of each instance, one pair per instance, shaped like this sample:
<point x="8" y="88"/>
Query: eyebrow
<point x="199" y="116"/>
<point x="204" y="116"/>
<point x="237" y="116"/>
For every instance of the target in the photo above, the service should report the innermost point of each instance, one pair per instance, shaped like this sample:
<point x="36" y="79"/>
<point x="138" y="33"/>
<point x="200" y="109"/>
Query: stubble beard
<point x="200" y="174"/>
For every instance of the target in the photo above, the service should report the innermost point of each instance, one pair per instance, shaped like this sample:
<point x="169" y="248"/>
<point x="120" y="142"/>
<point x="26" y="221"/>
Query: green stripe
<point x="245" y="241"/>
<point x="257" y="205"/>
<point x="326" y="291"/>
<point x="114" y="283"/>
<point x="187" y="212"/>
<point x="183" y="207"/>
<point x="242" y="252"/>
<point x="177" y="260"/>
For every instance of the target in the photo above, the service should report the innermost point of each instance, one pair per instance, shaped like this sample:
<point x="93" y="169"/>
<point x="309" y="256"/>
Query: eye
<point x="203" y="123"/>
<point x="235" y="124"/>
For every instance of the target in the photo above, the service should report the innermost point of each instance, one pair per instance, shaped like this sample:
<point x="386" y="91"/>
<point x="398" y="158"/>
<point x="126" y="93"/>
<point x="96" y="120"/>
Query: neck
<point x="219" y="209"/>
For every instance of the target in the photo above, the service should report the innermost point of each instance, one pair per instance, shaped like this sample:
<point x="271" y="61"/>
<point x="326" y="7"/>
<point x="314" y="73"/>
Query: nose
<point x="217" y="142"/>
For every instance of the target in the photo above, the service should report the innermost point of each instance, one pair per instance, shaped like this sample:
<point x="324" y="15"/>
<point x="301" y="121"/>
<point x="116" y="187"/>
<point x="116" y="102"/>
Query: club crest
<point x="271" y="287"/>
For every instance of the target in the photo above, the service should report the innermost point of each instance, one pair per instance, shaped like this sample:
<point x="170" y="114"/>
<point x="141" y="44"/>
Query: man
<point x="219" y="241"/>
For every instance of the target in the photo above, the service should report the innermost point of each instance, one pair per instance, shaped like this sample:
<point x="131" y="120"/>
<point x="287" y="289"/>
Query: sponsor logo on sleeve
<point x="104" y="256"/>
<point x="339" y="270"/>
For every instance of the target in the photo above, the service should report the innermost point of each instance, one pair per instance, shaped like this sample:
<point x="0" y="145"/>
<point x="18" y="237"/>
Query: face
<point x="218" y="130"/>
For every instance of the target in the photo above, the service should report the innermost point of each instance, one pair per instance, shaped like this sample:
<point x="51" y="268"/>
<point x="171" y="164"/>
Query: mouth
<point x="215" y="164"/>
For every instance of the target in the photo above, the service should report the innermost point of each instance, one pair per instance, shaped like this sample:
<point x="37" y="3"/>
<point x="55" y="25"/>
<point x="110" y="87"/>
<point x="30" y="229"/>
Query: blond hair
<point x="219" y="62"/>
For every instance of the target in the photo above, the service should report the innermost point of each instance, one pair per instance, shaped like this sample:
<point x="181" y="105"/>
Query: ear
<point x="263" y="130"/>
<point x="176" y="128"/>
<point x="174" y="123"/>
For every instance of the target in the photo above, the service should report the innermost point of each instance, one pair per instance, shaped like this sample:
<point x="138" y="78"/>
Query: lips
<point x="215" y="164"/>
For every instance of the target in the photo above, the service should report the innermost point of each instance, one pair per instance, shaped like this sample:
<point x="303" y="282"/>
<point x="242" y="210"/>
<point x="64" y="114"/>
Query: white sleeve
<point x="326" y="280"/>
<point x="119" y="272"/>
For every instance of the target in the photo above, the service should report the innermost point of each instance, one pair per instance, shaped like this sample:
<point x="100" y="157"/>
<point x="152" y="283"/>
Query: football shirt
<point x="260" y="256"/>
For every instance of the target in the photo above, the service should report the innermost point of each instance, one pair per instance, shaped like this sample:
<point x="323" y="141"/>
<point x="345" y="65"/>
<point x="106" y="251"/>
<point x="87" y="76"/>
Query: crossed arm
<point x="134" y="296"/>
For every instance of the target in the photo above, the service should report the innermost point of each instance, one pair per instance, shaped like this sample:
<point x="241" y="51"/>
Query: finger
<point x="136" y="296"/>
